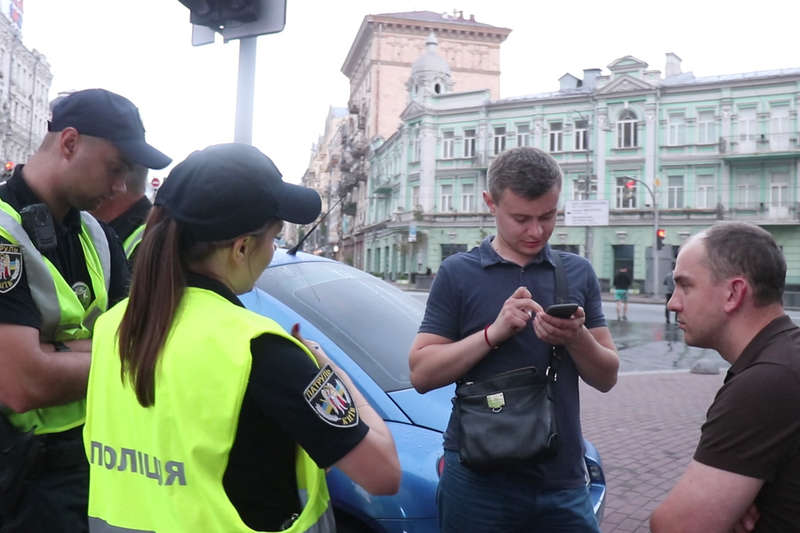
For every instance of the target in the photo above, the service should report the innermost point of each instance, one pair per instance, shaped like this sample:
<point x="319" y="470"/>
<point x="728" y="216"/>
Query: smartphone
<point x="562" y="310"/>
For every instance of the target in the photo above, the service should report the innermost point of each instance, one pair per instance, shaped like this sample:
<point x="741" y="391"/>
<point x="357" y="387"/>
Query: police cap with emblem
<point x="228" y="190"/>
<point x="101" y="113"/>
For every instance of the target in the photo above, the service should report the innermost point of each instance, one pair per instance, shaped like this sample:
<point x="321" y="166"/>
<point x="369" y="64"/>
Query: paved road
<point x="646" y="429"/>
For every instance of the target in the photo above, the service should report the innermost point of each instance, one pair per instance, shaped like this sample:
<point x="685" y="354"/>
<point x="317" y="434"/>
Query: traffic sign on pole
<point x="586" y="213"/>
<point x="155" y="183"/>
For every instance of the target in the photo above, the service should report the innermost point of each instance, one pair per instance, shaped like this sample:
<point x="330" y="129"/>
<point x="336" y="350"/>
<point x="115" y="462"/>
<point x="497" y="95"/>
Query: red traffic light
<point x="661" y="233"/>
<point x="9" y="165"/>
<point x="631" y="184"/>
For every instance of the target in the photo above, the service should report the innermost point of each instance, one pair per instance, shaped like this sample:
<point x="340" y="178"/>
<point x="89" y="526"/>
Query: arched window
<point x="627" y="134"/>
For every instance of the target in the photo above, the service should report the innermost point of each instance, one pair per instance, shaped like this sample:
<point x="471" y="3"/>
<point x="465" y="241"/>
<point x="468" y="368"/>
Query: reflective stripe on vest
<point x="64" y="317"/>
<point x="103" y="250"/>
<point x="133" y="241"/>
<point x="149" y="467"/>
<point x="325" y="524"/>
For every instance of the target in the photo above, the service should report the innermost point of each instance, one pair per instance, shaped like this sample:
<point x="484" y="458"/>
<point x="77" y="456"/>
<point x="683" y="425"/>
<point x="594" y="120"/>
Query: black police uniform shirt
<point x="275" y="417"/>
<point x="132" y="218"/>
<point x="16" y="303"/>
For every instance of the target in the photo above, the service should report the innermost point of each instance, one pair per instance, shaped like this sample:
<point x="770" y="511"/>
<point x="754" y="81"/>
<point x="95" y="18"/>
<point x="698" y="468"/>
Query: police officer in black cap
<point x="126" y="212"/>
<point x="218" y="404"/>
<point x="59" y="269"/>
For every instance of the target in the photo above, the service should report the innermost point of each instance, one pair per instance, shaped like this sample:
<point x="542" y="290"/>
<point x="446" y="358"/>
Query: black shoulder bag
<point x="510" y="418"/>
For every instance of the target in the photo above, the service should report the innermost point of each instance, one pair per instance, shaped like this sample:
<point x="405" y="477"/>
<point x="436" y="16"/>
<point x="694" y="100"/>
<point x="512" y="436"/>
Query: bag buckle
<point x="496" y="402"/>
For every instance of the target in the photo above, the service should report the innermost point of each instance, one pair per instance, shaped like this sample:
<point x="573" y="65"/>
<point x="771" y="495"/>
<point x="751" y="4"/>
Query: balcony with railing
<point x="758" y="213"/>
<point x="760" y="145"/>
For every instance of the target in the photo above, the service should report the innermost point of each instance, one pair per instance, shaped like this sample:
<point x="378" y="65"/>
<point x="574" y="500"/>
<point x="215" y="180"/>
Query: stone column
<point x="599" y="130"/>
<point x="427" y="165"/>
<point x="650" y="148"/>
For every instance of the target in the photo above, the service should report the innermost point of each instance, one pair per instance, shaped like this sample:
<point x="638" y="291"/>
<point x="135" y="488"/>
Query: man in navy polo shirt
<point x="485" y="316"/>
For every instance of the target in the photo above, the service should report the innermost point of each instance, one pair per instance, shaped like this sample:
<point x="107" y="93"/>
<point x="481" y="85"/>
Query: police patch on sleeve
<point x="10" y="266"/>
<point x="330" y="399"/>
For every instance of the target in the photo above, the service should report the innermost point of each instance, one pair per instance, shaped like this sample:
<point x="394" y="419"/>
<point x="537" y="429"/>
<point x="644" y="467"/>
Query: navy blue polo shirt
<point x="468" y="292"/>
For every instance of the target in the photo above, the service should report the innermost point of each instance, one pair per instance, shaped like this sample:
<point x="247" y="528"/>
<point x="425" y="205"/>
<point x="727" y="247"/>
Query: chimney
<point x="472" y="18"/>
<point x="673" y="67"/>
<point x="590" y="77"/>
<point x="568" y="81"/>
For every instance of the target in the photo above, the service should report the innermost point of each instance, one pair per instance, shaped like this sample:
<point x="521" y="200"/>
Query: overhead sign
<point x="586" y="213"/>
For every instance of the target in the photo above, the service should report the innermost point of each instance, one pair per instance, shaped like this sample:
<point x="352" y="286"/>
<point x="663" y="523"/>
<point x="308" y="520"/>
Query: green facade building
<point x="705" y="149"/>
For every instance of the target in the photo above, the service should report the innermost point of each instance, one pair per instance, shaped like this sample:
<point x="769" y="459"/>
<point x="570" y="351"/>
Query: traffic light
<point x="234" y="19"/>
<point x="630" y="185"/>
<point x="9" y="166"/>
<point x="217" y="13"/>
<point x="660" y="234"/>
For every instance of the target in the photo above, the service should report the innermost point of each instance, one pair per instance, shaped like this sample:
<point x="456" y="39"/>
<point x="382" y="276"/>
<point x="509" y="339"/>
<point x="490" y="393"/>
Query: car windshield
<point x="369" y="319"/>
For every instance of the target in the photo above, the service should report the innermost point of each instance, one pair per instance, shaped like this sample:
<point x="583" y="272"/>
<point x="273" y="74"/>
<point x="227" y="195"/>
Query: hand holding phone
<point x="562" y="310"/>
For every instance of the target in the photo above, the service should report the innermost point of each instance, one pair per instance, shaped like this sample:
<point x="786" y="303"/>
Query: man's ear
<point x="738" y="291"/>
<point x="68" y="142"/>
<point x="487" y="198"/>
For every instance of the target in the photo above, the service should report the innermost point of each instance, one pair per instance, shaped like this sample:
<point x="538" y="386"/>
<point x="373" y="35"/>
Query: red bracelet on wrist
<point x="486" y="338"/>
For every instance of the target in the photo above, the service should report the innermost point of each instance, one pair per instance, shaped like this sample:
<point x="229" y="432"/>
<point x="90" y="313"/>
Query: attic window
<point x="437" y="88"/>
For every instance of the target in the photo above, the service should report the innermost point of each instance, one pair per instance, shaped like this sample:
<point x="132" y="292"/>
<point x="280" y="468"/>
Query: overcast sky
<point x="187" y="95"/>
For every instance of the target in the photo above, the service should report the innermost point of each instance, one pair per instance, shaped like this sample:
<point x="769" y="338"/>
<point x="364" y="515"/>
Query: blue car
<point x="366" y="326"/>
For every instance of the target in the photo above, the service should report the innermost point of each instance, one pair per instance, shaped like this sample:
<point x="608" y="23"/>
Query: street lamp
<point x="630" y="184"/>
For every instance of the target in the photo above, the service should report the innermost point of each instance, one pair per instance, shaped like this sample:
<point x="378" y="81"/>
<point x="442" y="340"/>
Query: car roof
<point x="282" y="257"/>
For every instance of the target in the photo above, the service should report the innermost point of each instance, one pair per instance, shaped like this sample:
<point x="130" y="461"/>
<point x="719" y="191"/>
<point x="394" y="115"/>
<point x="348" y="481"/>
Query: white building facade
<point x="25" y="80"/>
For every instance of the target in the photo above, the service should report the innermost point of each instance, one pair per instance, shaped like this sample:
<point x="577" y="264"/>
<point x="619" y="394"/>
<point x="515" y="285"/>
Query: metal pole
<point x="656" y="280"/>
<point x="243" y="131"/>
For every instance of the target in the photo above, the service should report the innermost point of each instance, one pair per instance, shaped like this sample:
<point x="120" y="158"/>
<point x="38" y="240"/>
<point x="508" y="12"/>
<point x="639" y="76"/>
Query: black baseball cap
<point x="228" y="190"/>
<point x="101" y="113"/>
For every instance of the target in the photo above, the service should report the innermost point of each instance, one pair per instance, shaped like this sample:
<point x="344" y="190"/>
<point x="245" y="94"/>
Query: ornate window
<point x="581" y="135"/>
<point x="556" y="137"/>
<point x="448" y="145"/>
<point x="469" y="143"/>
<point x="523" y="135"/>
<point x="627" y="131"/>
<point x="499" y="139"/>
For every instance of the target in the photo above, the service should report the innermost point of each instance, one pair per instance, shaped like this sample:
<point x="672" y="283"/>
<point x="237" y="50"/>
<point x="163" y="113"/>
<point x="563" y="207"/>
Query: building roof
<point x="682" y="79"/>
<point x="423" y="21"/>
<point x="687" y="78"/>
<point x="431" y="16"/>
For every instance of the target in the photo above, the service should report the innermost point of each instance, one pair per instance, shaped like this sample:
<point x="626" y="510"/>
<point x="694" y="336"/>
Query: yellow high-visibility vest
<point x="160" y="468"/>
<point x="64" y="316"/>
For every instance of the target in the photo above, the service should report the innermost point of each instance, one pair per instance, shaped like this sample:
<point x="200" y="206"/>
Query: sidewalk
<point x="646" y="429"/>
<point x="636" y="298"/>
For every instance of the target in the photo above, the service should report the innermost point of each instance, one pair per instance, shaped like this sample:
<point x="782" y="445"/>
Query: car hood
<point x="430" y="410"/>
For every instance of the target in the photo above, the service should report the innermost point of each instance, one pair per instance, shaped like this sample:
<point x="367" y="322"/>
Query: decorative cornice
<point x="475" y="32"/>
<point x="626" y="84"/>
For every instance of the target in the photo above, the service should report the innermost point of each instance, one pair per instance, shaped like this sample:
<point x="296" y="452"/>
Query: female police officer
<point x="221" y="421"/>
